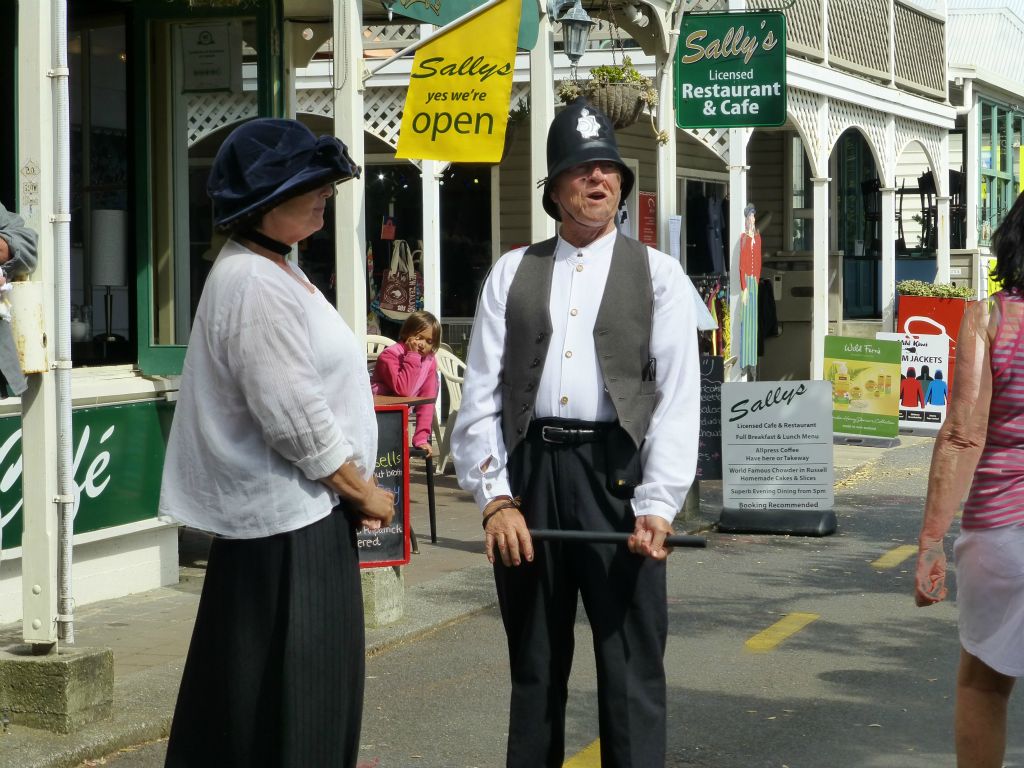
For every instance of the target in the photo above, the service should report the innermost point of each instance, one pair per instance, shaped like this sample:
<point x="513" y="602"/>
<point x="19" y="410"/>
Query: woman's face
<point x="298" y="217"/>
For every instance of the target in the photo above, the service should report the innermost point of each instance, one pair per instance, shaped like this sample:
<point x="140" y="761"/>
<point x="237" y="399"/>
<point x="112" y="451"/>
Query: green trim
<point x="168" y="359"/>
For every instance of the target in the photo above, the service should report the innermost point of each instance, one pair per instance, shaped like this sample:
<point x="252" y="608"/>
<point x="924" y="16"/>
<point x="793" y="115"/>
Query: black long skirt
<point x="275" y="670"/>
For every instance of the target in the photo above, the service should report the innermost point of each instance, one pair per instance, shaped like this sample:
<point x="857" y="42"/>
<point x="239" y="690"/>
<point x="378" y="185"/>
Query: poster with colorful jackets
<point x="865" y="378"/>
<point x="924" y="381"/>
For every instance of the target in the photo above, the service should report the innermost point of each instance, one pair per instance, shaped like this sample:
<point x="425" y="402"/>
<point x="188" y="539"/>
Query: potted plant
<point x="618" y="90"/>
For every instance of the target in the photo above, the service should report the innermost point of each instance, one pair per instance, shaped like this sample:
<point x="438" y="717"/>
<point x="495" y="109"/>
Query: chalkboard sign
<point x="390" y="546"/>
<point x="709" y="445"/>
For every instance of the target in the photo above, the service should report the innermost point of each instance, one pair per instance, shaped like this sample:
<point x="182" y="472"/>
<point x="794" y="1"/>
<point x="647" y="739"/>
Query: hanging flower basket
<point x="618" y="90"/>
<point x="622" y="102"/>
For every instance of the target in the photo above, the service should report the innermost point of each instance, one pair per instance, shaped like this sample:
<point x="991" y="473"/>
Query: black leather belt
<point x="570" y="435"/>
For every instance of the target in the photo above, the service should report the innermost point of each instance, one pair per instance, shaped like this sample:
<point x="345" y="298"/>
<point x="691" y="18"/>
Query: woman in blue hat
<point x="272" y="450"/>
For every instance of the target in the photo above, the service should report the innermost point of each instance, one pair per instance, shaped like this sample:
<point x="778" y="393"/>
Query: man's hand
<point x="507" y="530"/>
<point x="930" y="575"/>
<point x="648" y="537"/>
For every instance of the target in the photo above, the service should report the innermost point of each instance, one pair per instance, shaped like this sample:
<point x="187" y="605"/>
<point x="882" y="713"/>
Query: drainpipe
<point x="62" y="290"/>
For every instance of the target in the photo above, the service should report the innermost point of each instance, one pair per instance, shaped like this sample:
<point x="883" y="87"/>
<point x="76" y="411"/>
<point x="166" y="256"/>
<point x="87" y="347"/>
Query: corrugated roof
<point x="986" y="35"/>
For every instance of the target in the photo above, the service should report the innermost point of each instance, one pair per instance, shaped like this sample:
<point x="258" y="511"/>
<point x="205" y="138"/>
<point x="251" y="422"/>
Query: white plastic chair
<point x="452" y="371"/>
<point x="375" y="345"/>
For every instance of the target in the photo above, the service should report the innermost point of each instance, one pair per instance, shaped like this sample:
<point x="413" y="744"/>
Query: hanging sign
<point x="865" y="379"/>
<point x="459" y="91"/>
<point x="777" y="446"/>
<point x="924" y="389"/>
<point x="730" y="70"/>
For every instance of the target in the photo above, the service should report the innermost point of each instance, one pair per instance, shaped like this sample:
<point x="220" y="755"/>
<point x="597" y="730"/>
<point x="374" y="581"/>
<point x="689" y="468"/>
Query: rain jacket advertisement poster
<point x="924" y="381"/>
<point x="865" y="378"/>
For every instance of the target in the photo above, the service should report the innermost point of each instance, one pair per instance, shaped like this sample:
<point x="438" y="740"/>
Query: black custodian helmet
<point x="581" y="133"/>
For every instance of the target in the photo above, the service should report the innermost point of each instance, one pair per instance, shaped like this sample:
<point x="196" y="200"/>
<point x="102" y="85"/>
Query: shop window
<point x="102" y="256"/>
<point x="706" y="248"/>
<point x="801" y="200"/>
<point x="859" y="226"/>
<point x="999" y="166"/>
<point x="211" y="72"/>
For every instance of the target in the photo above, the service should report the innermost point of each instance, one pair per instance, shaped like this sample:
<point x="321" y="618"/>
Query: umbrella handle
<point x="611" y="537"/>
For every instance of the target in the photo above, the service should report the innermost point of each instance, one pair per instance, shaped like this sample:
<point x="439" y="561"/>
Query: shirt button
<point x="488" y="486"/>
<point x="568" y="353"/>
<point x="574" y="312"/>
<point x="564" y="400"/>
<point x="579" y="267"/>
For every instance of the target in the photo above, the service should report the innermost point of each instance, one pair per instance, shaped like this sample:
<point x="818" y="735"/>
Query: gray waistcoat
<point x="622" y="334"/>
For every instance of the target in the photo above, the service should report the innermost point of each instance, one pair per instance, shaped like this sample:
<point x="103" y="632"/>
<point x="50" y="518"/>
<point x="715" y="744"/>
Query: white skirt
<point x="990" y="596"/>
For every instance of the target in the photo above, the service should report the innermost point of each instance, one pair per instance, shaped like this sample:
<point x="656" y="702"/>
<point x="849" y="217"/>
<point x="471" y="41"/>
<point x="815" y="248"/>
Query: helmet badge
<point x="588" y="126"/>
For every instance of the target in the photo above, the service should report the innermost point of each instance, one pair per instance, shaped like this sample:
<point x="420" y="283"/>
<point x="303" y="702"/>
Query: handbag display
<point x="399" y="290"/>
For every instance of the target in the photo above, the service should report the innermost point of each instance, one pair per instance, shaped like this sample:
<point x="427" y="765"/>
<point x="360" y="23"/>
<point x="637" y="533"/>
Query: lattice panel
<point x="315" y="101"/>
<point x="383" y="112"/>
<point x="930" y="138"/>
<point x="843" y="115"/>
<point x="858" y="35"/>
<point x="920" y="50"/>
<point x="715" y="139"/>
<point x="208" y="112"/>
<point x="384" y="36"/>
<point x="803" y="24"/>
<point x="803" y="111"/>
<point x="696" y="6"/>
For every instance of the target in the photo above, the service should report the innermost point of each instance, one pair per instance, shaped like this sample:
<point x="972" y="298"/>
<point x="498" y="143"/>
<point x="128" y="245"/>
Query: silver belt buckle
<point x="546" y="433"/>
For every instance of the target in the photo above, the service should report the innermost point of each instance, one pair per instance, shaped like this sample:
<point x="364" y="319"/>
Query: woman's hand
<point x="505" y="527"/>
<point x="930" y="575"/>
<point x="373" y="505"/>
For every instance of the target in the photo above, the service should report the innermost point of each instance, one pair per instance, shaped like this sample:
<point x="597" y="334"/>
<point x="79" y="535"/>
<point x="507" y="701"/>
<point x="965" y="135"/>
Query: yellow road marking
<point x="894" y="557"/>
<point x="588" y="758"/>
<point x="788" y="625"/>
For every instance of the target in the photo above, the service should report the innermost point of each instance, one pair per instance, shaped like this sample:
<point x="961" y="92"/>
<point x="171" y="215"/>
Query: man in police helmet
<point x="580" y="412"/>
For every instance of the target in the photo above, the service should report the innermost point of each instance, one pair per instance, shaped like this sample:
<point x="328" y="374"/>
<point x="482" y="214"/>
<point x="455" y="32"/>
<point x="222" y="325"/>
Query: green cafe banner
<point x="730" y="70"/>
<point x="865" y="377"/>
<point x="440" y="12"/>
<point x="118" y="457"/>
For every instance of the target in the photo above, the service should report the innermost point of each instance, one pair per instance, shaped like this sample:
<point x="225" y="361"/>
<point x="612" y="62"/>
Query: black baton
<point x="611" y="537"/>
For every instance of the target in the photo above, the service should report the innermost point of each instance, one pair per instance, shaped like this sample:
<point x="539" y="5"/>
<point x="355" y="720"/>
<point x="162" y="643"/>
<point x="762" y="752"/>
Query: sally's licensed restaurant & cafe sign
<point x="731" y="71"/>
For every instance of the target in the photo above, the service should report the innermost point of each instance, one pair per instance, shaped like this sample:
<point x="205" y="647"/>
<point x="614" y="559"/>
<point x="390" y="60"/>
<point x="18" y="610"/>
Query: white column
<point x="39" y="403"/>
<point x="542" y="112"/>
<point x="819" y="311"/>
<point x="887" y="219"/>
<point x="972" y="170"/>
<point x="667" y="186"/>
<point x="737" y="200"/>
<point x="349" y="209"/>
<point x="942" y="212"/>
<point x="432" y="170"/>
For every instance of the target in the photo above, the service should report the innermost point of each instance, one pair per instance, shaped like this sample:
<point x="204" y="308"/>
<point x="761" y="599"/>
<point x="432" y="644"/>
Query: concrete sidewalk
<point x="149" y="632"/>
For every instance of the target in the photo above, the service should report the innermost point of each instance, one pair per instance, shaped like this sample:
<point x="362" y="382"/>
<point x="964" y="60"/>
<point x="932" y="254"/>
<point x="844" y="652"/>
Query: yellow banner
<point x="457" y="105"/>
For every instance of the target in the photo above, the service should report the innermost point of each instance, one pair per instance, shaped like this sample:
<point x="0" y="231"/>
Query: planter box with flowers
<point x="618" y="90"/>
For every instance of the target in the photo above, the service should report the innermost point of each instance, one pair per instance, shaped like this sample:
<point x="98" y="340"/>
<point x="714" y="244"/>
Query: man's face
<point x="588" y="193"/>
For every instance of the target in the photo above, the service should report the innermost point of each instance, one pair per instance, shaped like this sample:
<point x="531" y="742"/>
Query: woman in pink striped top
<point x="981" y="446"/>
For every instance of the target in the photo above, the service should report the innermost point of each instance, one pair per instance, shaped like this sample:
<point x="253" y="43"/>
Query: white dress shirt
<point x="274" y="396"/>
<point x="572" y="387"/>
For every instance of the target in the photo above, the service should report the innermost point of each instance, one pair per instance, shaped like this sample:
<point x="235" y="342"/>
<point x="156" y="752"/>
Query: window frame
<point x="168" y="359"/>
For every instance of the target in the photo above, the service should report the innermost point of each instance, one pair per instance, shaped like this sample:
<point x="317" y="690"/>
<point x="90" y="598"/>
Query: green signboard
<point x="118" y="457"/>
<point x="865" y="377"/>
<point x="441" y="12"/>
<point x="730" y="70"/>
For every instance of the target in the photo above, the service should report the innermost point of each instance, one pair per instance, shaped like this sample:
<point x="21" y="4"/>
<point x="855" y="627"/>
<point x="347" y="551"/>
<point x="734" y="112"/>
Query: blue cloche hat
<point x="269" y="160"/>
<point x="581" y="133"/>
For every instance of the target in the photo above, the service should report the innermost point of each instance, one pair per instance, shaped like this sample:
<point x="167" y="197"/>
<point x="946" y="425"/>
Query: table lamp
<point x="109" y="253"/>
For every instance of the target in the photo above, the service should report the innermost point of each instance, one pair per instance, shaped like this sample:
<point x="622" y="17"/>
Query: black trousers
<point x="624" y="595"/>
<point x="275" y="671"/>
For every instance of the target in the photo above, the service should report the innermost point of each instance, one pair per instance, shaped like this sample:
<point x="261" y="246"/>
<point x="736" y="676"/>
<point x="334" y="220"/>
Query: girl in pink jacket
<point x="408" y="369"/>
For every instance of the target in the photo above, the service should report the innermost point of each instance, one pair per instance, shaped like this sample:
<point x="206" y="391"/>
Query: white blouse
<point x="274" y="396"/>
<point x="571" y="385"/>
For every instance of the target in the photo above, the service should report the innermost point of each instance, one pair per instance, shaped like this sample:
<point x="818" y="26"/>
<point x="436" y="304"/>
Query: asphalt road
<point x="863" y="679"/>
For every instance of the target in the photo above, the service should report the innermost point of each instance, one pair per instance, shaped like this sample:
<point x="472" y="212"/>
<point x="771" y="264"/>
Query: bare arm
<point x="957" y="448"/>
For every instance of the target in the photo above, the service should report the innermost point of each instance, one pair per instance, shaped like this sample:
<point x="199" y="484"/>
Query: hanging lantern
<point x="576" y="24"/>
